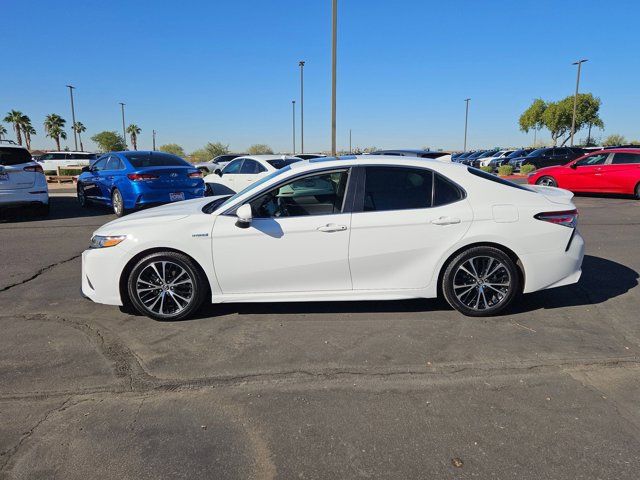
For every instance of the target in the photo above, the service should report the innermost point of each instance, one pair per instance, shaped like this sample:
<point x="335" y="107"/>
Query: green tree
<point x="109" y="141"/>
<point x="533" y="117"/>
<point x="54" y="128"/>
<point x="133" y="130"/>
<point x="79" y="128"/>
<point x="614" y="139"/>
<point x="3" y="131"/>
<point x="173" y="148"/>
<point x="259" y="149"/>
<point x="15" y="117"/>
<point x="27" y="129"/>
<point x="209" y="152"/>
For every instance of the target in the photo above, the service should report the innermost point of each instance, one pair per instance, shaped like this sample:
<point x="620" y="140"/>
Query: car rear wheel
<point x="82" y="197"/>
<point x="166" y="286"/>
<point x="547" y="181"/>
<point x="481" y="281"/>
<point x="638" y="191"/>
<point x="117" y="202"/>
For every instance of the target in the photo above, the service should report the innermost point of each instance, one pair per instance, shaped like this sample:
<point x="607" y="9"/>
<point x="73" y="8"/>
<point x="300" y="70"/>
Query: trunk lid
<point x="553" y="194"/>
<point x="170" y="178"/>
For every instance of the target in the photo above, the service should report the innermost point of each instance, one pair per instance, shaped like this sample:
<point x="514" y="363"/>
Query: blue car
<point x="127" y="181"/>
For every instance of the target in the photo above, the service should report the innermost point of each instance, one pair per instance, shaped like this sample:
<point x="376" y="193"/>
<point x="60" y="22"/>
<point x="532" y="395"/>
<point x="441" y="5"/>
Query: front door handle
<point x="445" y="221"/>
<point x="332" y="227"/>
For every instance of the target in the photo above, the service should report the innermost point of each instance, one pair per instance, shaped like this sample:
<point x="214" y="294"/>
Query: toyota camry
<point x="347" y="228"/>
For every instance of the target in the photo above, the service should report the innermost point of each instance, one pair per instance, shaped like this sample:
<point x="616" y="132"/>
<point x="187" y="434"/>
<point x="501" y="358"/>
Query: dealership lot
<point x="319" y="390"/>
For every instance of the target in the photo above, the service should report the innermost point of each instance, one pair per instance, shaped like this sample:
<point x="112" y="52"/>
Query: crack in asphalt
<point x="39" y="272"/>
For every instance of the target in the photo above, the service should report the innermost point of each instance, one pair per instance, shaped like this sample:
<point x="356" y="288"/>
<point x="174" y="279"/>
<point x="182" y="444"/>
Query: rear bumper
<point x="554" y="269"/>
<point x="24" y="197"/>
<point x="149" y="197"/>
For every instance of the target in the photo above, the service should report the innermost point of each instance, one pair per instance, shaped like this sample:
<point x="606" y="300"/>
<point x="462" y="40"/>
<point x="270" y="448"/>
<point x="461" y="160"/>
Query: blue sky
<point x="198" y="71"/>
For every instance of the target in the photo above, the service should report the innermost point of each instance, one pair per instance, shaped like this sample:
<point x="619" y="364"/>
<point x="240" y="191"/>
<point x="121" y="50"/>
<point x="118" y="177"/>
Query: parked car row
<point x="539" y="158"/>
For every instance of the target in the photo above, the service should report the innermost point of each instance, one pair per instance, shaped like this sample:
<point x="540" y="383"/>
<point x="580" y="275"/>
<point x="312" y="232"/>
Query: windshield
<point x="536" y="153"/>
<point x="280" y="163"/>
<point x="250" y="187"/>
<point x="488" y="154"/>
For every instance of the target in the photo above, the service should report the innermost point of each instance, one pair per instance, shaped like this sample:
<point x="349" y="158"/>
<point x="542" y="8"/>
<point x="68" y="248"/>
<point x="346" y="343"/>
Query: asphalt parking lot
<point x="401" y="390"/>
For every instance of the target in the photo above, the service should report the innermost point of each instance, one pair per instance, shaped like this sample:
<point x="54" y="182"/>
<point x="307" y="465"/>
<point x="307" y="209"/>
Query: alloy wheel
<point x="547" y="182"/>
<point x="118" y="203"/>
<point x="164" y="288"/>
<point x="482" y="283"/>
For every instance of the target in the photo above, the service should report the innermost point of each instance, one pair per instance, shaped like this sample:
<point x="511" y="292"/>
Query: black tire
<point x="182" y="299"/>
<point x="547" y="181"/>
<point x="638" y="191"/>
<point x="43" y="210"/>
<point x="82" y="198"/>
<point x="493" y="287"/>
<point x="117" y="203"/>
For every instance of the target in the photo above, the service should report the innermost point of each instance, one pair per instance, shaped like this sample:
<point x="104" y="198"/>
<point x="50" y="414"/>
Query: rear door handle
<point x="445" y="221"/>
<point x="332" y="227"/>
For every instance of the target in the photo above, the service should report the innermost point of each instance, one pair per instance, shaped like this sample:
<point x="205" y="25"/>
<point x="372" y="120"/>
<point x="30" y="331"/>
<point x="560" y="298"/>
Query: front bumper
<point x="101" y="272"/>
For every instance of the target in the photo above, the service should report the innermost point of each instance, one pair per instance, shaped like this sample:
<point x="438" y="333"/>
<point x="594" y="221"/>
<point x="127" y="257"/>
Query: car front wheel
<point x="166" y="286"/>
<point x="481" y="281"/>
<point x="547" y="181"/>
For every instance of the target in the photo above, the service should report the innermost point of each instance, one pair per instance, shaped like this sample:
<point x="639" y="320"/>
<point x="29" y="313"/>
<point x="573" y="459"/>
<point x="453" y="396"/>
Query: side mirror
<point x="218" y="172"/>
<point x="573" y="165"/>
<point x="86" y="169"/>
<point x="244" y="215"/>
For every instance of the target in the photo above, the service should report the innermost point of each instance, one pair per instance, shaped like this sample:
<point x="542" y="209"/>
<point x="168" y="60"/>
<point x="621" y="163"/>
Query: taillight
<point x="34" y="168"/>
<point x="138" y="177"/>
<point x="567" y="218"/>
<point x="197" y="174"/>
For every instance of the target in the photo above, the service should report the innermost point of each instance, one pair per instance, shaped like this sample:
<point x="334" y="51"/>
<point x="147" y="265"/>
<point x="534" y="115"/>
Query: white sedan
<point x="485" y="162"/>
<point x="350" y="228"/>
<point x="243" y="171"/>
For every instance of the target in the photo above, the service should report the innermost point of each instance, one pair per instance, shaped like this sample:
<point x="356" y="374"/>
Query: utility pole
<point x="293" y="116"/>
<point x="466" y="121"/>
<point x="124" y="130"/>
<point x="575" y="98"/>
<point x="301" y="64"/>
<point x="350" y="151"/>
<point x="73" y="117"/>
<point x="334" y="37"/>
<point x="154" y="139"/>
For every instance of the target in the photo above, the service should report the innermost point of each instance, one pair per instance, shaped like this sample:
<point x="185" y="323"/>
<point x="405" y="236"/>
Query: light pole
<point x="466" y="121"/>
<point x="293" y="116"/>
<point x="73" y="117"/>
<point x="575" y="98"/>
<point x="334" y="38"/>
<point x="301" y="64"/>
<point x="350" y="151"/>
<point x="124" y="132"/>
<point x="154" y="139"/>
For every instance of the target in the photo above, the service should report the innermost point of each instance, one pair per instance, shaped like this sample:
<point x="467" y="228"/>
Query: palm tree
<point x="3" y="131"/>
<point x="27" y="129"/>
<point x="15" y="116"/>
<point x="133" y="130"/>
<point x="79" y="128"/>
<point x="53" y="125"/>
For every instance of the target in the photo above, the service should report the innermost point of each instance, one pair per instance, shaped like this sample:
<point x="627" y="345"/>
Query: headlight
<point x="100" y="241"/>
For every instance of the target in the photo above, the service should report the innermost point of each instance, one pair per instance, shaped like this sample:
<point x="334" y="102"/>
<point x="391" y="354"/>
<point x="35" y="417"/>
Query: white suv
<point x="22" y="181"/>
<point x="50" y="161"/>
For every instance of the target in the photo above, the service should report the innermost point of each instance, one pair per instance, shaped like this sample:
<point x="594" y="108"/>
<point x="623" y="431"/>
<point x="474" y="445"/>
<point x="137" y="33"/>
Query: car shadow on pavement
<point x="601" y="280"/>
<point x="61" y="208"/>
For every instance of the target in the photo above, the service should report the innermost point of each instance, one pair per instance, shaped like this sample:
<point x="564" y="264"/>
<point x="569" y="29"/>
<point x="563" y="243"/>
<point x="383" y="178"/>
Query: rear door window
<point x="13" y="156"/>
<point x="252" y="167"/>
<point x="623" y="158"/>
<point x="113" y="163"/>
<point x="397" y="188"/>
<point x="233" y="167"/>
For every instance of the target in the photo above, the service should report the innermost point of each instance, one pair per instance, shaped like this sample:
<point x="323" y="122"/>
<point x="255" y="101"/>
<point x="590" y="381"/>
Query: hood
<point x="166" y="213"/>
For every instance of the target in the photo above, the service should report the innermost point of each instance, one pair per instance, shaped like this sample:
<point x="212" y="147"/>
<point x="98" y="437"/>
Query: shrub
<point x="505" y="170"/>
<point x="487" y="169"/>
<point x="527" y="169"/>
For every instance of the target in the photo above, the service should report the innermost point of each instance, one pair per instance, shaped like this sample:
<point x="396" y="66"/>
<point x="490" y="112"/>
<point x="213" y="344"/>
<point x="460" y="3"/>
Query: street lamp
<point x="466" y="121"/>
<point x="73" y="117"/>
<point x="301" y="64"/>
<point x="334" y="42"/>
<point x="293" y="116"/>
<point x="350" y="151"/>
<point x="124" y="132"/>
<point x="575" y="98"/>
<point x="154" y="139"/>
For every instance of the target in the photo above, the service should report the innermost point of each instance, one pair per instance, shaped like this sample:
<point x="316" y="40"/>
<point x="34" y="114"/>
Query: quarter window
<point x="396" y="188"/>
<point x="626" y="158"/>
<point x="445" y="192"/>
<point x="321" y="194"/>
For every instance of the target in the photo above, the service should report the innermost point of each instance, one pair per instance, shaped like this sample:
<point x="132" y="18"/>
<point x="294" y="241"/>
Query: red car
<point x="615" y="170"/>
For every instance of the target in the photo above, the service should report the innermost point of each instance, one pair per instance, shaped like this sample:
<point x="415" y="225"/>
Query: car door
<point x="229" y="177"/>
<point x="249" y="173"/>
<point x="91" y="180"/>
<point x="621" y="173"/>
<point x="297" y="242"/>
<point x="585" y="175"/>
<point x="111" y="175"/>
<point x="402" y="225"/>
